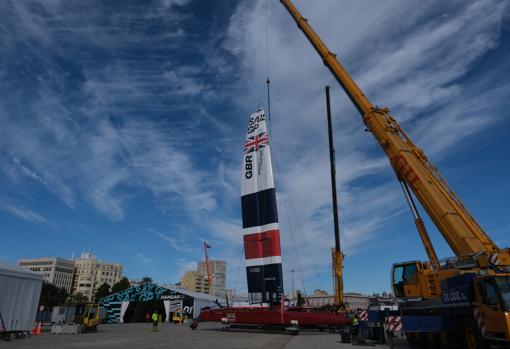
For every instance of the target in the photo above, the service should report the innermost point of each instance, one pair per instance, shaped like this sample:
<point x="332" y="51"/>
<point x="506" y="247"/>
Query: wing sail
<point x="261" y="233"/>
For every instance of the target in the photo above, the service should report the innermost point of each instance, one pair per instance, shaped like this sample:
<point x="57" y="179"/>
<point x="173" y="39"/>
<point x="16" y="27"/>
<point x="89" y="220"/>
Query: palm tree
<point x="79" y="297"/>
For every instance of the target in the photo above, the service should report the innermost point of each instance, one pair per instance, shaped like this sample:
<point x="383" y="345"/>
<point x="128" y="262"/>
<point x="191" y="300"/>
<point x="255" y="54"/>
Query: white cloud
<point x="170" y="240"/>
<point x="23" y="213"/>
<point x="182" y="82"/>
<point x="143" y="259"/>
<point x="226" y="231"/>
<point x="182" y="266"/>
<point x="26" y="171"/>
<point x="87" y="134"/>
<point x="174" y="2"/>
<point x="185" y="266"/>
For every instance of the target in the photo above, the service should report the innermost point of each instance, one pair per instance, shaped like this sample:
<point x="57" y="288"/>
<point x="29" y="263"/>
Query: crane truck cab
<point x="492" y="307"/>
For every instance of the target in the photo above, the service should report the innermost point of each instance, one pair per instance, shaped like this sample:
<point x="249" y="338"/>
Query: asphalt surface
<point x="207" y="336"/>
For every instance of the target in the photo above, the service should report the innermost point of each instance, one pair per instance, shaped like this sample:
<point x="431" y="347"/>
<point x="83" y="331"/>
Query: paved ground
<point x="207" y="336"/>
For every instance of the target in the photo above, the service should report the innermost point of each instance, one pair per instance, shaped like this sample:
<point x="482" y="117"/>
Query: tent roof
<point x="197" y="295"/>
<point x="18" y="272"/>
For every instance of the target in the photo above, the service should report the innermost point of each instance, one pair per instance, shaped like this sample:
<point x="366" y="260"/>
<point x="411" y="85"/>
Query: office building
<point x="56" y="271"/>
<point x="198" y="280"/>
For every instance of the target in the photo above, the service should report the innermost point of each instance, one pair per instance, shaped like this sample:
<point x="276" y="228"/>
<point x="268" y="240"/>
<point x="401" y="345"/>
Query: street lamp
<point x="292" y="271"/>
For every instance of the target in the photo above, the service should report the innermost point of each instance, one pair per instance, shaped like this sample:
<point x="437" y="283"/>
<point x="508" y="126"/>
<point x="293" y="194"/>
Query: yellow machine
<point x="91" y="317"/>
<point x="178" y="318"/>
<point x="481" y="267"/>
<point x="337" y="258"/>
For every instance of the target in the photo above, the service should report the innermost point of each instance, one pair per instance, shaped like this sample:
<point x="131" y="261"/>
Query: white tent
<point x="200" y="300"/>
<point x="20" y="290"/>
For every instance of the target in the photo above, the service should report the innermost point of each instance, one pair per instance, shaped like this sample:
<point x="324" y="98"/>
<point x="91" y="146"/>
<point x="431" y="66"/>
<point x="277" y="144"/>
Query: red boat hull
<point x="275" y="317"/>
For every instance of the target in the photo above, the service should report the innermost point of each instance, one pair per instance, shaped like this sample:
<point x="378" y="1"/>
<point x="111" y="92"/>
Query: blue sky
<point x="122" y="126"/>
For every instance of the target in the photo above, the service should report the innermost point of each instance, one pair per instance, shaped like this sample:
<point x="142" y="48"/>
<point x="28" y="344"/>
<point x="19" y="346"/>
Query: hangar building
<point x="132" y="304"/>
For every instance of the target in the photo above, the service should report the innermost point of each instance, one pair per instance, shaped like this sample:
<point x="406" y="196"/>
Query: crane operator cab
<point x="405" y="278"/>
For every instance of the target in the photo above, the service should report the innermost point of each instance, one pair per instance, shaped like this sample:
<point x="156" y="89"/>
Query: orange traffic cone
<point x="38" y="332"/>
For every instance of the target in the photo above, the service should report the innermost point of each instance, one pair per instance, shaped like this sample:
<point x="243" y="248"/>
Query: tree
<point x="79" y="297"/>
<point x="102" y="291"/>
<point x="146" y="279"/>
<point x="52" y="295"/>
<point x="121" y="285"/>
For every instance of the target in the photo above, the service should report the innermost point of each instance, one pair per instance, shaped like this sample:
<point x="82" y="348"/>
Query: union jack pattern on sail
<point x="256" y="142"/>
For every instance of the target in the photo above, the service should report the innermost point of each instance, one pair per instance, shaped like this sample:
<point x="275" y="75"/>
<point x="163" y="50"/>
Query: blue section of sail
<point x="259" y="208"/>
<point x="265" y="283"/>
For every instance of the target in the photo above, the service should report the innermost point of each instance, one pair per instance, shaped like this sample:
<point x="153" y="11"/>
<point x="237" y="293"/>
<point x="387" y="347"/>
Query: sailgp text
<point x="254" y="122"/>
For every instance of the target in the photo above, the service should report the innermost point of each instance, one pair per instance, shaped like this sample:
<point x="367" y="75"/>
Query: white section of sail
<point x="261" y="228"/>
<point x="263" y="261"/>
<point x="257" y="172"/>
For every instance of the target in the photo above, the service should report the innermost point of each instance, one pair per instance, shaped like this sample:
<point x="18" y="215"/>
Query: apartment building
<point x="91" y="273"/>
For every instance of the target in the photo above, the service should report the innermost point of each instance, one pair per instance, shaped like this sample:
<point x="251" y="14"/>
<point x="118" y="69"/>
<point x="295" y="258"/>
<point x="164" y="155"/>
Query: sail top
<point x="257" y="169"/>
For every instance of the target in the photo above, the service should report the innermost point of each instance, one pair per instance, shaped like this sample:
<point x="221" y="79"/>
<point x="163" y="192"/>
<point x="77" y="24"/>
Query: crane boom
<point x="208" y="271"/>
<point x="456" y="224"/>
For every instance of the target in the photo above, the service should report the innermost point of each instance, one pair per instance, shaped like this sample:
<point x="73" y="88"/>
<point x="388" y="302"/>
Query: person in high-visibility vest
<point x="155" y="318"/>
<point x="355" y="329"/>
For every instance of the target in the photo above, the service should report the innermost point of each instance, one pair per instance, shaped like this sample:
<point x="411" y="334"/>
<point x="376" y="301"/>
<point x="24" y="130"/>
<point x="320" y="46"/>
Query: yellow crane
<point x="336" y="253"/>
<point x="476" y="282"/>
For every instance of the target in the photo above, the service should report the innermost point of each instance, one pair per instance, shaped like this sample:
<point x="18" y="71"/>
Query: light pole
<point x="293" y="294"/>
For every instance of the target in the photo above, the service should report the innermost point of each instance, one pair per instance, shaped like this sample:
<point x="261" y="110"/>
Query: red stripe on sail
<point x="260" y="245"/>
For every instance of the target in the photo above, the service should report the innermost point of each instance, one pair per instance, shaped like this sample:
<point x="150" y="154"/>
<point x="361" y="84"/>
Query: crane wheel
<point x="433" y="339"/>
<point x="446" y="340"/>
<point x="412" y="338"/>
<point x="471" y="335"/>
